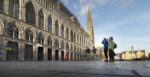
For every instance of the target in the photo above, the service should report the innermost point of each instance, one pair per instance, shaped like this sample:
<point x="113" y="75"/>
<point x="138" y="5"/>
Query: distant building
<point x="132" y="55"/>
<point x="100" y="53"/>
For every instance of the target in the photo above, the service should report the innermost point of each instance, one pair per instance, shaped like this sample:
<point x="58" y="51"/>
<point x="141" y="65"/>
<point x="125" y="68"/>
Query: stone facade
<point x="40" y="30"/>
<point x="139" y="54"/>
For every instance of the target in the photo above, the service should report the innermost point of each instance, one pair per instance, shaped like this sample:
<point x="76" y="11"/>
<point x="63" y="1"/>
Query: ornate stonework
<point x="40" y="30"/>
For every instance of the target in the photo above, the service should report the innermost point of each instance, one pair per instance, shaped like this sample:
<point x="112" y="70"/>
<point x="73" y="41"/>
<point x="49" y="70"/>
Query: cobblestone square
<point x="75" y="69"/>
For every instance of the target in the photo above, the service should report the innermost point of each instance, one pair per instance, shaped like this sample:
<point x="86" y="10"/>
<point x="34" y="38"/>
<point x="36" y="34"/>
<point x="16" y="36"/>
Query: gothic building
<point x="134" y="54"/>
<point x="33" y="30"/>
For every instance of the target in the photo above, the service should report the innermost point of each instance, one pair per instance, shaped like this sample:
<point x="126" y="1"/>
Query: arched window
<point x="40" y="38"/>
<point x="62" y="44"/>
<point x="74" y="48"/>
<point x="67" y="33"/>
<point x="12" y="30"/>
<point x="1" y="5"/>
<point x="30" y="14"/>
<point x="49" y="24"/>
<point x="71" y="35"/>
<point x="14" y="8"/>
<point x="71" y="47"/>
<point x="80" y="40"/>
<point x="29" y="35"/>
<point x="49" y="41"/>
<point x="56" y="43"/>
<point x="41" y="20"/>
<point x="67" y="46"/>
<point x="77" y="49"/>
<point x="56" y="28"/>
<point x="74" y="38"/>
<point x="62" y="31"/>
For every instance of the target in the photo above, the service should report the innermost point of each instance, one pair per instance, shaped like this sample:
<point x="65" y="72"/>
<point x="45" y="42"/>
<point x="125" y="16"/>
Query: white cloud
<point x="124" y="3"/>
<point x="75" y="6"/>
<point x="134" y="18"/>
<point x="114" y="2"/>
<point x="98" y="2"/>
<point x="101" y="2"/>
<point x="84" y="9"/>
<point x="93" y="4"/>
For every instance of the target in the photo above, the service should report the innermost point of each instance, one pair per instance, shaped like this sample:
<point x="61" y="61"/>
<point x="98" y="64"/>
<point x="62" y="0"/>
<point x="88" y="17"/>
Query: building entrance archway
<point x="40" y="53"/>
<point x="62" y="55"/>
<point x="56" y="55"/>
<point x="28" y="52"/>
<point x="12" y="51"/>
<point x="49" y="54"/>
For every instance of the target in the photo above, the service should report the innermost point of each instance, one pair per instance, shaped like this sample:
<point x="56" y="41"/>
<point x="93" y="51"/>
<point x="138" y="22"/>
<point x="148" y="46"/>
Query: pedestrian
<point x="87" y="52"/>
<point x="111" y="49"/>
<point x="94" y="56"/>
<point x="94" y="50"/>
<point x="66" y="56"/>
<point x="105" y="43"/>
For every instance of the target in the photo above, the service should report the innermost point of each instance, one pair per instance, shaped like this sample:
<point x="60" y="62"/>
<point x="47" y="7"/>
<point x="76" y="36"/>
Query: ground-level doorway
<point x="62" y="55"/>
<point x="75" y="58"/>
<point x="40" y="53"/>
<point x="56" y="55"/>
<point x="12" y="51"/>
<point x="28" y="52"/>
<point x="49" y="54"/>
<point x="71" y="56"/>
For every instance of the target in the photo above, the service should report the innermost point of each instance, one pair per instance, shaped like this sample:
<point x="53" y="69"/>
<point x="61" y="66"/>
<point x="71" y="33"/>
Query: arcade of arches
<point x="42" y="33"/>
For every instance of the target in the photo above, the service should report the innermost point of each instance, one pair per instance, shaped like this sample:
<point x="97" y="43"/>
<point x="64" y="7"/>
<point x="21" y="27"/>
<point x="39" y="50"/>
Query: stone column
<point x="21" y="51"/>
<point x="45" y="54"/>
<point x="3" y="51"/>
<point x="69" y="36"/>
<point x="60" y="55"/>
<point x="59" y="28"/>
<point x="73" y="56"/>
<point x="53" y="26"/>
<point x="37" y="17"/>
<point x="69" y="56"/>
<point x="65" y="32"/>
<point x="35" y="53"/>
<point x="6" y="6"/>
<point x="22" y="11"/>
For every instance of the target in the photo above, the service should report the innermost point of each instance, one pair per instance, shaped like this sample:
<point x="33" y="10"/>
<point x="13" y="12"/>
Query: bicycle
<point x="90" y="57"/>
<point x="94" y="57"/>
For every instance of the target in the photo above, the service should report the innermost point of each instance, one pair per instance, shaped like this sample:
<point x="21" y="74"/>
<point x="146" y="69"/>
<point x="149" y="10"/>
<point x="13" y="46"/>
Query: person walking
<point x="94" y="50"/>
<point x="105" y="43"/>
<point x="87" y="53"/>
<point x="66" y="56"/>
<point x="94" y="56"/>
<point x="111" y="49"/>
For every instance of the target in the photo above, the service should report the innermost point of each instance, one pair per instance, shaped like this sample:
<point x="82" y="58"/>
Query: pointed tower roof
<point x="90" y="30"/>
<point x="89" y="16"/>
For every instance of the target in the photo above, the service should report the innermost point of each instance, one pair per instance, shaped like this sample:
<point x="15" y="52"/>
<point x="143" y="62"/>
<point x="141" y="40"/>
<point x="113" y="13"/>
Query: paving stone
<point x="109" y="72"/>
<point x="86" y="75"/>
<point x="74" y="69"/>
<point x="144" y="72"/>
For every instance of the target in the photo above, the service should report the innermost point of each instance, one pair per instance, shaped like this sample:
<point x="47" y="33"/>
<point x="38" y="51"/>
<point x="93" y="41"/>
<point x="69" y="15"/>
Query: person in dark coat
<point x="105" y="43"/>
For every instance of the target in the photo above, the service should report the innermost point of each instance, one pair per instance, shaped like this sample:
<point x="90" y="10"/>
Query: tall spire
<point x="132" y="48"/>
<point x="90" y="25"/>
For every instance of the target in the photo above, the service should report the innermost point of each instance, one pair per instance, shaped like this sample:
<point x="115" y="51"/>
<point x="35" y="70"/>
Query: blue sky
<point x="128" y="21"/>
